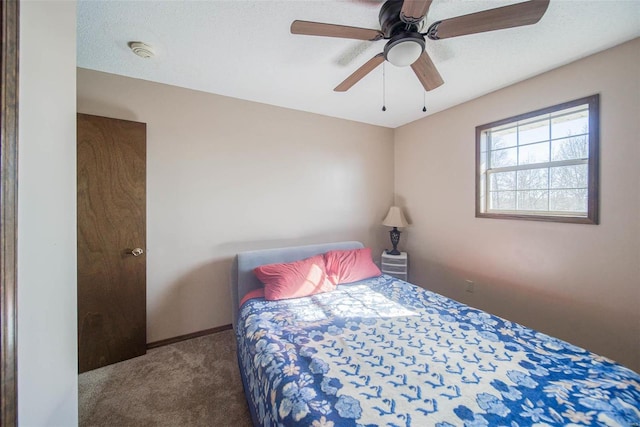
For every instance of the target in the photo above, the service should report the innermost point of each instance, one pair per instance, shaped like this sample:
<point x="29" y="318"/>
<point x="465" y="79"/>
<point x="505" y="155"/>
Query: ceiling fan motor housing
<point x="390" y="22"/>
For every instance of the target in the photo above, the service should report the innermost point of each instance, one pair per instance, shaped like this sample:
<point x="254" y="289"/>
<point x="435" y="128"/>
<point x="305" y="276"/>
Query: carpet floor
<point x="189" y="383"/>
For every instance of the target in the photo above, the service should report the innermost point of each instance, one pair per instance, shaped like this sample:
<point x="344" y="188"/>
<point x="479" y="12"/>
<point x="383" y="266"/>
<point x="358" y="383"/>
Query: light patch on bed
<point x="358" y="301"/>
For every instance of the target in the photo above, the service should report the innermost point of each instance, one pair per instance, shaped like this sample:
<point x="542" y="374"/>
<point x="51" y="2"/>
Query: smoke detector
<point x="142" y="49"/>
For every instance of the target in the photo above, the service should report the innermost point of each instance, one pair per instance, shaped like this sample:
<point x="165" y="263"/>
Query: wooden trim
<point x="593" y="209"/>
<point x="9" y="208"/>
<point x="187" y="336"/>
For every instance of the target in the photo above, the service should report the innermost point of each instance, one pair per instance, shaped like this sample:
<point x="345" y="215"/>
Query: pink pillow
<point x="294" y="279"/>
<point x="350" y="265"/>
<point x="256" y="293"/>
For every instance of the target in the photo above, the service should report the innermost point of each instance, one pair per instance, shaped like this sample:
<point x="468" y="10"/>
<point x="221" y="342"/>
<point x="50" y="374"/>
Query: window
<point x="541" y="165"/>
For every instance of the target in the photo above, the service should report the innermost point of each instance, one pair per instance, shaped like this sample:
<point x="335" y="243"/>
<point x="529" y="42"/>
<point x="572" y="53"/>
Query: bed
<point x="382" y="351"/>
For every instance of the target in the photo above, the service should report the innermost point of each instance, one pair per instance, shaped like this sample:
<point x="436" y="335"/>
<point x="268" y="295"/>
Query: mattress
<point x="386" y="352"/>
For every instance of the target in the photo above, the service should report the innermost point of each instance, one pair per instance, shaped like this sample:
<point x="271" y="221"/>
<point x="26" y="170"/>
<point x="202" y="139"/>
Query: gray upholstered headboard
<point x="243" y="280"/>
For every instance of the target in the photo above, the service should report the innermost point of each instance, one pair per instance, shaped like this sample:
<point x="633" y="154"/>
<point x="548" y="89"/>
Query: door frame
<point x="9" y="202"/>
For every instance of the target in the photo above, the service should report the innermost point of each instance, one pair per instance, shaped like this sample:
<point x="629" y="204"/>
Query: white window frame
<point x="484" y="170"/>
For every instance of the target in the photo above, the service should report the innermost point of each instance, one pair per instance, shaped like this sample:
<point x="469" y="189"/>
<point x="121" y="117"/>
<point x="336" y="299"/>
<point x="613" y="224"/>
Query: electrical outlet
<point x="470" y="286"/>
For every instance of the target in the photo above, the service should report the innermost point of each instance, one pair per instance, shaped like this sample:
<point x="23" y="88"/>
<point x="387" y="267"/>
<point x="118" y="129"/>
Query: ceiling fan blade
<point x="360" y="73"/>
<point x="515" y="15"/>
<point x="332" y="30"/>
<point x="427" y="72"/>
<point x="414" y="11"/>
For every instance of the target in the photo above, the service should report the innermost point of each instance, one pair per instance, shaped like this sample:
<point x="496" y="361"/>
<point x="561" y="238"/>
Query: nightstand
<point x="395" y="265"/>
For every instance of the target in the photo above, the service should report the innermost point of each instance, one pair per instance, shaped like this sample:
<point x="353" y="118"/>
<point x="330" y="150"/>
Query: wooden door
<point x="111" y="233"/>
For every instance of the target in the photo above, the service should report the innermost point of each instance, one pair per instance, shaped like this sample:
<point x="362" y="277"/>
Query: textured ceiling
<point x="243" y="49"/>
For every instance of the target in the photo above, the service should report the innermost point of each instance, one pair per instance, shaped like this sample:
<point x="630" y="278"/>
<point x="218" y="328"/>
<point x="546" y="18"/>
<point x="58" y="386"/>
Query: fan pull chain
<point x="384" y="89"/>
<point x="424" y="102"/>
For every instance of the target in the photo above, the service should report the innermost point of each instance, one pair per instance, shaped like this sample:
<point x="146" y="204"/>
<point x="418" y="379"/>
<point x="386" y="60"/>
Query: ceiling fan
<point x="400" y="23"/>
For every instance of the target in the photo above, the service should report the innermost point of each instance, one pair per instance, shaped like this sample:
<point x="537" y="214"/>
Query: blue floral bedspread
<point x="385" y="352"/>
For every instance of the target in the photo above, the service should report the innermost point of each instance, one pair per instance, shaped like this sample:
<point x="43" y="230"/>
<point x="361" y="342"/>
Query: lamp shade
<point x="395" y="218"/>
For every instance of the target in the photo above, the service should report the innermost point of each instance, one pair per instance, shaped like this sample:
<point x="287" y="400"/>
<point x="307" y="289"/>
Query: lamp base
<point x="395" y="239"/>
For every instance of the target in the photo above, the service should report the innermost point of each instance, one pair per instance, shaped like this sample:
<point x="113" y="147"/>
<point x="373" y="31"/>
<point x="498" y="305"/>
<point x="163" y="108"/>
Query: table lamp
<point x="395" y="219"/>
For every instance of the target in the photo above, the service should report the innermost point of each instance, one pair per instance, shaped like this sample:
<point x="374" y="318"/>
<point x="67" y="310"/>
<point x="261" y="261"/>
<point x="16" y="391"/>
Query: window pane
<point x="503" y="200"/>
<point x="533" y="179"/>
<point x="569" y="176"/>
<point x="483" y="162"/>
<point x="503" y="181"/>
<point x="569" y="125"/>
<point x="568" y="200"/>
<point x="535" y="153"/>
<point x="534" y="132"/>
<point x="533" y="200"/>
<point x="483" y="186"/>
<point x="570" y="148"/>
<point x="504" y="138"/>
<point x="502" y="158"/>
<point x="483" y="141"/>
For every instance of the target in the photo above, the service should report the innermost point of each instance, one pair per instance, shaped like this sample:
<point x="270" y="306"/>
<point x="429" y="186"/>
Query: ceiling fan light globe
<point x="404" y="53"/>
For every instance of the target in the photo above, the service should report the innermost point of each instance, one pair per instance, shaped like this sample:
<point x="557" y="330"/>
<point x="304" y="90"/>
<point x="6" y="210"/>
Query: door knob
<point x="137" y="252"/>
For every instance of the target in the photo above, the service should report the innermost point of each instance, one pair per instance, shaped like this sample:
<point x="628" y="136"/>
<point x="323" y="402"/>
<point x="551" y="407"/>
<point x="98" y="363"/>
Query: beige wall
<point x="225" y="175"/>
<point x="47" y="349"/>
<point x="578" y="282"/>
